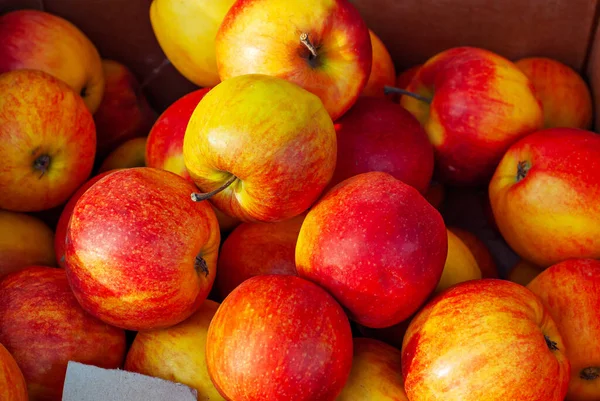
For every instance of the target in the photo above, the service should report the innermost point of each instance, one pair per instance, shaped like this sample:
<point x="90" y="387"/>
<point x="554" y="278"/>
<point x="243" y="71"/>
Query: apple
<point x="570" y="291"/>
<point x="483" y="256"/>
<point x="391" y="335"/>
<point x="565" y="96"/>
<point x="473" y="105"/>
<point x="140" y="254"/>
<point x="47" y="141"/>
<point x="186" y="32"/>
<point x="261" y="148"/>
<point x="460" y="264"/>
<point x="544" y="196"/>
<point x="482" y="329"/>
<point x="131" y="153"/>
<point x="177" y="353"/>
<point x="124" y="112"/>
<point x="286" y="316"/>
<point x="376" y="373"/>
<point x="24" y="240"/>
<point x="376" y="245"/>
<point x="403" y="80"/>
<point x="380" y="135"/>
<point x="12" y="382"/>
<point x="383" y="72"/>
<point x="324" y="47"/>
<point x="523" y="272"/>
<point x="435" y="194"/>
<point x="38" y="40"/>
<point x="43" y="327"/>
<point x="257" y="248"/>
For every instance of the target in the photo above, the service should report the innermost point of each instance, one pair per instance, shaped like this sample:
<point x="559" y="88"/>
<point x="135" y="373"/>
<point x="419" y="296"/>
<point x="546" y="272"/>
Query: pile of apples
<point x="277" y="234"/>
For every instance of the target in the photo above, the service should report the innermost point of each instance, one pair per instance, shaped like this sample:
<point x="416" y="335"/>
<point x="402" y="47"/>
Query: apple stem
<point x="551" y="344"/>
<point x="197" y="196"/>
<point x="42" y="163"/>
<point x="390" y="89"/>
<point x="591" y="373"/>
<point x="200" y="265"/>
<point x="306" y="42"/>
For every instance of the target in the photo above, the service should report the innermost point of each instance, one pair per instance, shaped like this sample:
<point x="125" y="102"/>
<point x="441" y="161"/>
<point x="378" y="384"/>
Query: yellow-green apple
<point x="435" y="194"/>
<point x="476" y="104"/>
<point x="480" y="251"/>
<point x="565" y="96"/>
<point x="403" y="80"/>
<point x="523" y="272"/>
<point x="286" y="316"/>
<point x="376" y="245"/>
<point x="380" y="135"/>
<point x="47" y="141"/>
<point x="544" y="196"/>
<point x="376" y="373"/>
<point x="164" y="147"/>
<point x="12" y="382"/>
<point x="24" y="240"/>
<point x="43" y="327"/>
<point x="124" y="112"/>
<point x="131" y="153"/>
<point x="177" y="353"/>
<point x="383" y="72"/>
<point x="186" y="32"/>
<point x="38" y="40"/>
<point x="260" y="147"/>
<point x="570" y="290"/>
<point x="139" y="253"/>
<point x="323" y="47"/>
<point x="460" y="264"/>
<point x="482" y="329"/>
<point x="257" y="248"/>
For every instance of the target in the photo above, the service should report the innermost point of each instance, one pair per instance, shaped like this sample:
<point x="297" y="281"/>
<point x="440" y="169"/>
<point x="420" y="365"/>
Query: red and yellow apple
<point x="383" y="72"/>
<point x="139" y="253"/>
<point x="565" y="96"/>
<point x="570" y="291"/>
<point x="480" y="251"/>
<point x="479" y="103"/>
<point x="324" y="47"/>
<point x="131" y="153"/>
<point x="286" y="316"/>
<point x="460" y="264"/>
<point x="523" y="272"/>
<point x="38" y="40"/>
<point x="482" y="329"/>
<point x="12" y="382"/>
<point x="376" y="245"/>
<point x="177" y="353"/>
<point x="265" y="146"/>
<point x="47" y="141"/>
<point x="403" y="80"/>
<point x="545" y="193"/>
<point x="380" y="135"/>
<point x="24" y="240"/>
<point x="43" y="327"/>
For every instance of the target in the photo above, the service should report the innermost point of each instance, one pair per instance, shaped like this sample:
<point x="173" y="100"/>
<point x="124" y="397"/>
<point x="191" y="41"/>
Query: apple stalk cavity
<point x="42" y="163"/>
<point x="390" y="89"/>
<point x="522" y="169"/>
<point x="197" y="197"/>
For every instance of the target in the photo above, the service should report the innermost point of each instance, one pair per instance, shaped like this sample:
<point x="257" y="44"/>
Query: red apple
<point x="571" y="292"/>
<point x="324" y="47"/>
<point x="380" y="135"/>
<point x="383" y="72"/>
<point x="12" y="382"/>
<point x="279" y="338"/>
<point x="47" y="141"/>
<point x="436" y="194"/>
<point x="257" y="248"/>
<point x="482" y="329"/>
<point x="478" y="104"/>
<point x="140" y="254"/>
<point x="376" y="245"/>
<point x="43" y="327"/>
<point x="480" y="252"/>
<point x="131" y="153"/>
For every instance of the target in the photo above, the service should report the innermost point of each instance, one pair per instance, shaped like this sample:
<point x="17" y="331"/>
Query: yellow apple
<point x="460" y="264"/>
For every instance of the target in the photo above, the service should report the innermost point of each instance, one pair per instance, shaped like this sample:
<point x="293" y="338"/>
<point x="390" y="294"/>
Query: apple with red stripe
<point x="12" y="382"/>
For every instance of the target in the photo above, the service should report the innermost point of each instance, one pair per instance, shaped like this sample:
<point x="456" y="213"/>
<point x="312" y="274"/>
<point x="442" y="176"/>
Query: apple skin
<point x="263" y="37"/>
<point x="383" y="71"/>
<point x="460" y="264"/>
<point x="273" y="136"/>
<point x="552" y="213"/>
<point x="380" y="135"/>
<point x="257" y="248"/>
<point x="177" y="353"/>
<point x="391" y="335"/>
<point x="124" y="112"/>
<point x="376" y="245"/>
<point x="482" y="103"/>
<point x="43" y="327"/>
<point x="12" y="382"/>
<point x="480" y="329"/>
<point x="140" y="254"/>
<point x="376" y="373"/>
<point x="435" y="194"/>
<point x="279" y="315"/>
<point x="523" y="272"/>
<point x="570" y="290"/>
<point x="480" y="251"/>
<point x="47" y="141"/>
<point x="131" y="153"/>
<point x="37" y="40"/>
<point x="566" y="98"/>
<point x="24" y="240"/>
